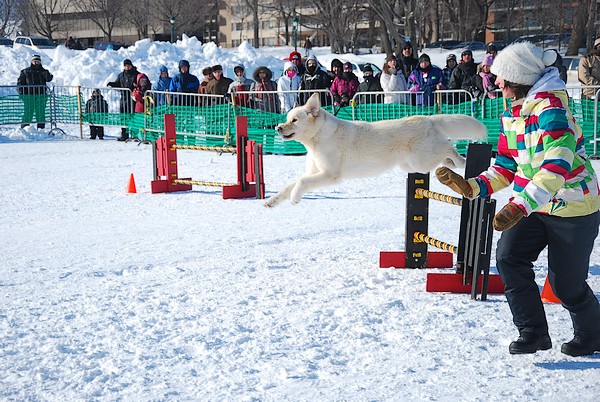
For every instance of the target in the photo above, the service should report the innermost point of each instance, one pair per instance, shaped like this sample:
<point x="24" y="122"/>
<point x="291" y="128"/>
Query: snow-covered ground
<point x="189" y="297"/>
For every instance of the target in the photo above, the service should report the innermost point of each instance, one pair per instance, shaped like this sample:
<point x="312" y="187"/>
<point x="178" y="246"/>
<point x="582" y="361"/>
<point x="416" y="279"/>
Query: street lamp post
<point x="172" y="21"/>
<point x="295" y="29"/>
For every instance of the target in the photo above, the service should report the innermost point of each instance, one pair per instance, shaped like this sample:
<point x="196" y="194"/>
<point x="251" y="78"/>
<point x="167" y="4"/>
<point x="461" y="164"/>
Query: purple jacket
<point x="418" y="83"/>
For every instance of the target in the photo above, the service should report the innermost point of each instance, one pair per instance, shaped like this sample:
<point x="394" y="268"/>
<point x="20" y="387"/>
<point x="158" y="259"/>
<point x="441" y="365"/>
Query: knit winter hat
<point x="206" y="70"/>
<point x="424" y="57"/>
<point x="295" y="55"/>
<point x="367" y="67"/>
<point x="36" y="57"/>
<point x="127" y="62"/>
<point x="451" y="56"/>
<point x="522" y="63"/>
<point x="217" y="67"/>
<point x="488" y="60"/>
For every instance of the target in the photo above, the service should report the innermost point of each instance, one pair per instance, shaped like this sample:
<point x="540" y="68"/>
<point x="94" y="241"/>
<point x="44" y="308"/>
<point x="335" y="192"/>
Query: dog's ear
<point x="313" y="105"/>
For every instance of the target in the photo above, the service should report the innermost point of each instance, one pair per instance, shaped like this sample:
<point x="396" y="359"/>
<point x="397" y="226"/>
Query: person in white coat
<point x="289" y="81"/>
<point x="392" y="80"/>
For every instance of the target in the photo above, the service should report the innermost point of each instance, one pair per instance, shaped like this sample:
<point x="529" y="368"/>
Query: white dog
<point x="338" y="149"/>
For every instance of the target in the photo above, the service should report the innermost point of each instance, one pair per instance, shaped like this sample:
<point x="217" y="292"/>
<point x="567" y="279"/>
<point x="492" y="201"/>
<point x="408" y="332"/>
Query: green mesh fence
<point x="215" y="125"/>
<point x="17" y="109"/>
<point x="196" y="125"/>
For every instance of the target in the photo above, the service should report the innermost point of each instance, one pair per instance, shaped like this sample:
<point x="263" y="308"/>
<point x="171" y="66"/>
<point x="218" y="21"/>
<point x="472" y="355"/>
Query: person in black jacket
<point x="463" y="77"/>
<point x="125" y="79"/>
<point x="370" y="84"/>
<point x="96" y="104"/>
<point x="314" y="79"/>
<point x="407" y="61"/>
<point x="34" y="92"/>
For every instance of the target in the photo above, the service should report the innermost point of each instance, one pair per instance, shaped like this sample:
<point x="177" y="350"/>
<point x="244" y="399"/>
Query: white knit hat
<point x="522" y="63"/>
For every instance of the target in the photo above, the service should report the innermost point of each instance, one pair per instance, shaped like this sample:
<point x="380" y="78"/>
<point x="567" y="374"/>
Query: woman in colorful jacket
<point x="425" y="79"/>
<point x="555" y="201"/>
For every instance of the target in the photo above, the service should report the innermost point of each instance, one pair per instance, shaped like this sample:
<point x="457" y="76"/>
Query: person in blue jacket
<point x="184" y="82"/>
<point x="163" y="84"/>
<point x="426" y="78"/>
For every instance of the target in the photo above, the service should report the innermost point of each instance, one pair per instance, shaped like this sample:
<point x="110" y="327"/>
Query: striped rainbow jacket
<point x="541" y="151"/>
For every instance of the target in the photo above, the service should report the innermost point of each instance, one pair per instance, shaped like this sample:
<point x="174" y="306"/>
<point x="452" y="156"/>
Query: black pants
<point x="96" y="131"/>
<point x="570" y="242"/>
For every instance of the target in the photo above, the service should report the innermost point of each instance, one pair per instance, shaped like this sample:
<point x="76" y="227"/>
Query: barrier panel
<point x="25" y="104"/>
<point x="475" y="235"/>
<point x="200" y="119"/>
<point x="208" y="119"/>
<point x="250" y="178"/>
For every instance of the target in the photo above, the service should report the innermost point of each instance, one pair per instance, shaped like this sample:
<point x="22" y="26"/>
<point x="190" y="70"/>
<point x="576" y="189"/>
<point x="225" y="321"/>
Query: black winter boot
<point x="581" y="345"/>
<point x="529" y="342"/>
<point x="124" y="135"/>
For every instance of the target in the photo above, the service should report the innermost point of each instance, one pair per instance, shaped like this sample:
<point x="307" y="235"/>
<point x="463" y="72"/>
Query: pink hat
<point x="488" y="60"/>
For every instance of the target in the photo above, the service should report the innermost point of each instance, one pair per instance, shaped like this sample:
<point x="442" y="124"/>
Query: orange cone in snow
<point x="131" y="187"/>
<point x="548" y="295"/>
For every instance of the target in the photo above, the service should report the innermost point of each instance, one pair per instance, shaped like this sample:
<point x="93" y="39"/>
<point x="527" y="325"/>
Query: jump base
<point x="453" y="283"/>
<point x="398" y="259"/>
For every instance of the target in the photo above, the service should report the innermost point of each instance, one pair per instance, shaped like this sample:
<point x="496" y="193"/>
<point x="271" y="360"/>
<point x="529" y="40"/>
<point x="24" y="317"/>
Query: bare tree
<point x="336" y="18"/>
<point x="135" y="13"/>
<point x="284" y="10"/>
<point x="389" y="18"/>
<point x="106" y="14"/>
<point x="42" y="16"/>
<point x="190" y="17"/>
<point x="8" y="13"/>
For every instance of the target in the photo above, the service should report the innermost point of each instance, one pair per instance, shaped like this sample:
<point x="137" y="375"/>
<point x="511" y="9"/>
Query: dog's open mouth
<point x="288" y="136"/>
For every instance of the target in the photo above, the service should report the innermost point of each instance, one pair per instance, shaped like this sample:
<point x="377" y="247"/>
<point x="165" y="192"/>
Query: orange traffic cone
<point x="548" y="295"/>
<point x="131" y="187"/>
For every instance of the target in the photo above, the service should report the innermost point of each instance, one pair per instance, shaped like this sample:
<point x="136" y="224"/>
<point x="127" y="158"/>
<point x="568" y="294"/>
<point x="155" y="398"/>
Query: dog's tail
<point x="460" y="127"/>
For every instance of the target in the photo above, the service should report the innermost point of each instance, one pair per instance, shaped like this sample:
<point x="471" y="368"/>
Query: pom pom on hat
<point x="522" y="63"/>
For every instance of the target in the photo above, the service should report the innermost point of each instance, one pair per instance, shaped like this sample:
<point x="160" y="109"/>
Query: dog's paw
<point x="271" y="202"/>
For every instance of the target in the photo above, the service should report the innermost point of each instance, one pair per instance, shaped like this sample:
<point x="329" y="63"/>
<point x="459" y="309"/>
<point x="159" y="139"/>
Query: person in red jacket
<point x="344" y="86"/>
<point x="142" y="84"/>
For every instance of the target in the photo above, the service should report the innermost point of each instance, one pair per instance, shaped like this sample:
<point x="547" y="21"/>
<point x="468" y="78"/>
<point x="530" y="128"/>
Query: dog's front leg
<point x="281" y="195"/>
<point x="310" y="182"/>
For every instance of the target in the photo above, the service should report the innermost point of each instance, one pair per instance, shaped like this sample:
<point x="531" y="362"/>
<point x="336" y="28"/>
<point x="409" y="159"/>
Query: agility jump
<point x="250" y="179"/>
<point x="475" y="236"/>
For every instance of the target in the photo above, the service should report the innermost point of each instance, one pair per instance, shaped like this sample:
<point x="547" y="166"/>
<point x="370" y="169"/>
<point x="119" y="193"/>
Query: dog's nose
<point x="278" y="128"/>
